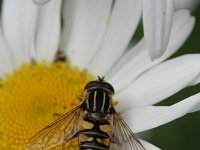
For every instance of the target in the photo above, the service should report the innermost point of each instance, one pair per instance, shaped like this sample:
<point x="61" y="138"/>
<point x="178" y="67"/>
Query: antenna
<point x="101" y="79"/>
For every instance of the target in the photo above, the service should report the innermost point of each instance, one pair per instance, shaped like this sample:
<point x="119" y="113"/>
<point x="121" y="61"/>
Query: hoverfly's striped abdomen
<point x="98" y="102"/>
<point x="92" y="136"/>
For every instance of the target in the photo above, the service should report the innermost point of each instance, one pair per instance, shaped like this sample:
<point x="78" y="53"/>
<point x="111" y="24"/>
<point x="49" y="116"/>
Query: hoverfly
<point x="95" y="122"/>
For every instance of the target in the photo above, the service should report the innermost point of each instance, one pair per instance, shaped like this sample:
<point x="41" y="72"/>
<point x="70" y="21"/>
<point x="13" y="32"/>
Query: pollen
<point x="35" y="95"/>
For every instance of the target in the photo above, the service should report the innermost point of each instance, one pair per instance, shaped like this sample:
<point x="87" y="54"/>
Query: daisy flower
<point x="38" y="81"/>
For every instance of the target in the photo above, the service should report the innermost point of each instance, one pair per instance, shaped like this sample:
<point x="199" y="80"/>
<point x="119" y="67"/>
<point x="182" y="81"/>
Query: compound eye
<point x="109" y="87"/>
<point x="91" y="84"/>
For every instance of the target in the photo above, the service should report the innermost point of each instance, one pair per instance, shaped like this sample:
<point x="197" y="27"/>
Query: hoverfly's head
<point x="100" y="84"/>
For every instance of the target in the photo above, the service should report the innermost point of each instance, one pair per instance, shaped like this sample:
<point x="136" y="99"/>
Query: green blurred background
<point x="183" y="133"/>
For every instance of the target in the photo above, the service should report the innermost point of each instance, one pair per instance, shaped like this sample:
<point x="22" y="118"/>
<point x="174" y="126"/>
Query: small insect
<point x="95" y="122"/>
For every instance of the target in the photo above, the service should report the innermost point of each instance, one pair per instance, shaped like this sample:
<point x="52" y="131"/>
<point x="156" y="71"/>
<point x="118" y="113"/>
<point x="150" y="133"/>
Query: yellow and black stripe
<point x="93" y="135"/>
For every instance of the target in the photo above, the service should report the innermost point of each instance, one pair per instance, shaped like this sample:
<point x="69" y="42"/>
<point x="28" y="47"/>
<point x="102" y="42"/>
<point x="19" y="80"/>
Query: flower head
<point x="95" y="38"/>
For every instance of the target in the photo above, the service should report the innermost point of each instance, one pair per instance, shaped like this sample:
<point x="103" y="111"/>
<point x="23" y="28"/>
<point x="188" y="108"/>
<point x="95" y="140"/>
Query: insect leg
<point x="116" y="141"/>
<point x="63" y="146"/>
<point x="57" y="115"/>
<point x="67" y="139"/>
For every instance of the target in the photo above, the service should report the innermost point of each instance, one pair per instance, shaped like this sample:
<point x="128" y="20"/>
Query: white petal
<point x="40" y="2"/>
<point x="19" y="21"/>
<point x="149" y="146"/>
<point x="182" y="28"/>
<point x="48" y="30"/>
<point x="146" y="145"/>
<point x="122" y="25"/>
<point x="161" y="82"/>
<point x="6" y="61"/>
<point x="148" y="117"/>
<point x="130" y="56"/>
<point x="157" y="20"/>
<point x="137" y="61"/>
<point x="85" y="22"/>
<point x="132" y="64"/>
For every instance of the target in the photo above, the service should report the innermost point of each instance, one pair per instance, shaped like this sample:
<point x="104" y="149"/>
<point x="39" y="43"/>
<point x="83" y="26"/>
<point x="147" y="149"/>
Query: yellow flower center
<point x="31" y="97"/>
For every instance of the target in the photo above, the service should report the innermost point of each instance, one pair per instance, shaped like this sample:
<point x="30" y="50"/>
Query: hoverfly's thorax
<point x="98" y="102"/>
<point x="99" y="94"/>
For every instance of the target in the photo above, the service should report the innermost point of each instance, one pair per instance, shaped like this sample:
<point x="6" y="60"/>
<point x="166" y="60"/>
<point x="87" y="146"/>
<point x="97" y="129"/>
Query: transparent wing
<point x="122" y="138"/>
<point x="56" y="133"/>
